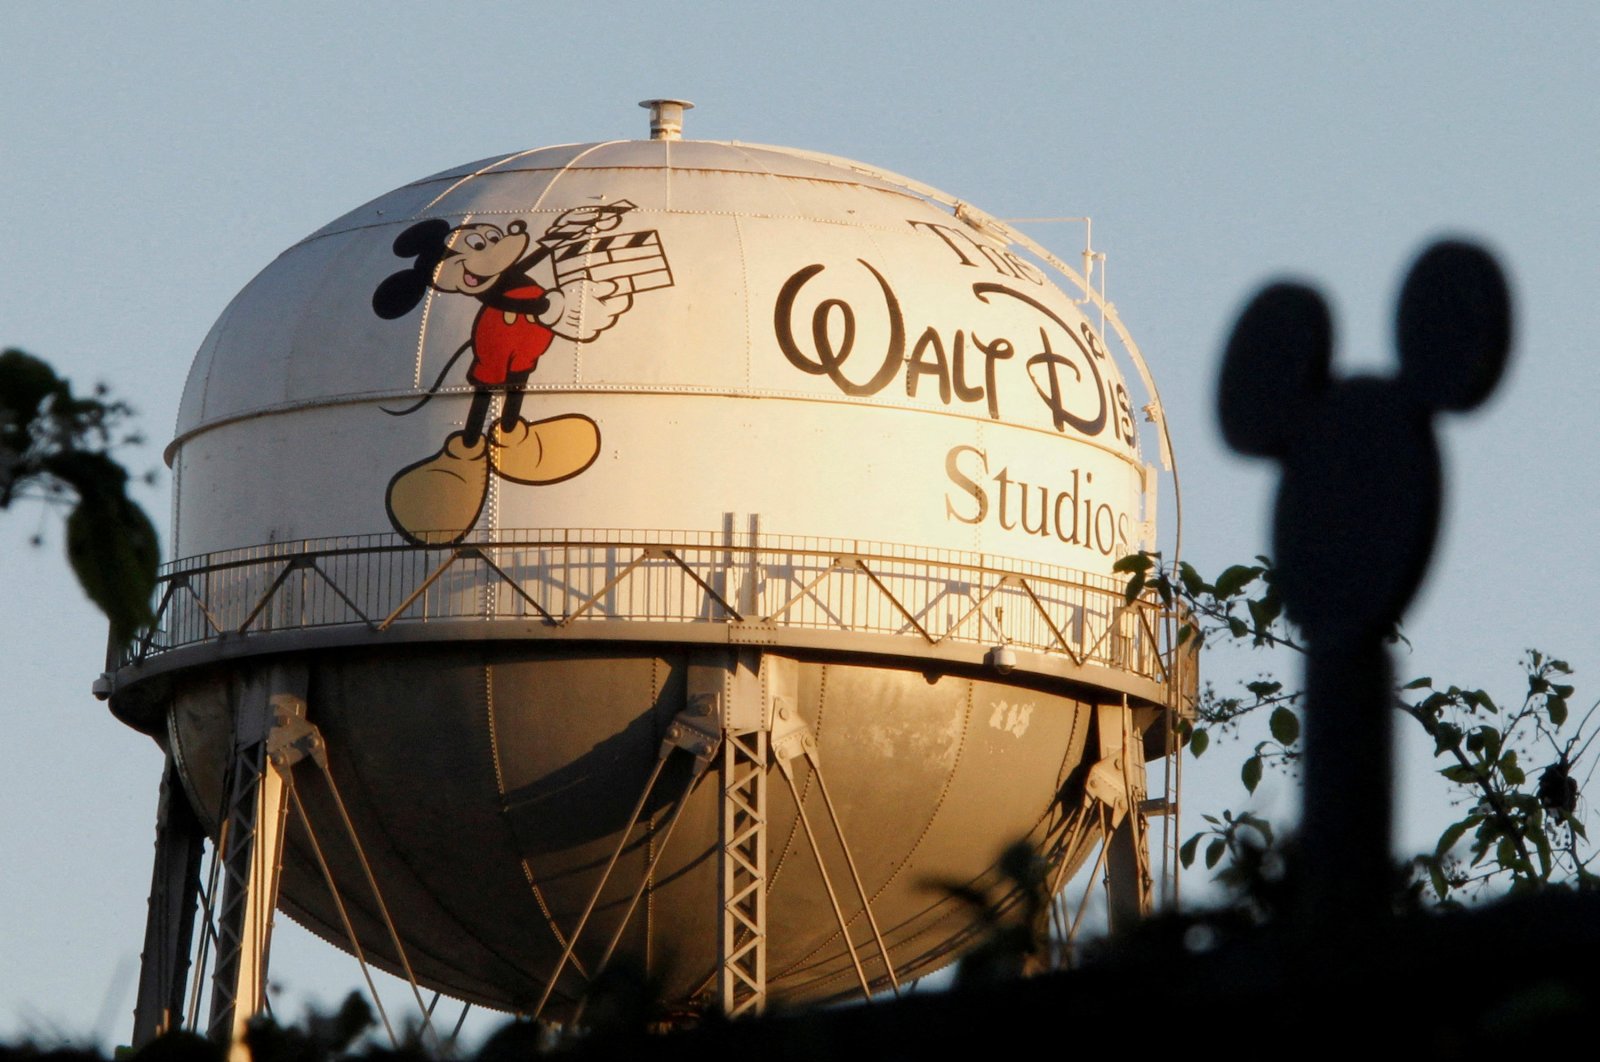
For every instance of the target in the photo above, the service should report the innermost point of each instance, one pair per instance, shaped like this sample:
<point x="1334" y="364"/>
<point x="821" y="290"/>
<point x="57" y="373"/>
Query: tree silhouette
<point x="56" y="446"/>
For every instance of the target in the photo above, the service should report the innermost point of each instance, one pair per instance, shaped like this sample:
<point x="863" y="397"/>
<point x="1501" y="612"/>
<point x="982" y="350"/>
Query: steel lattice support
<point x="1118" y="781"/>
<point x="255" y="810"/>
<point x="169" y="927"/>
<point x="252" y="843"/>
<point x="744" y="873"/>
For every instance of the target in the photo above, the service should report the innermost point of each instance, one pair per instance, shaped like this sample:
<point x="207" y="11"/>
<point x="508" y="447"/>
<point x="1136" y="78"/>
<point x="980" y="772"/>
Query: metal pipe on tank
<point x="666" y="118"/>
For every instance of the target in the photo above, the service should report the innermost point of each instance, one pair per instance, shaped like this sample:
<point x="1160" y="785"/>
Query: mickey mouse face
<point x="476" y="255"/>
<point x="467" y="258"/>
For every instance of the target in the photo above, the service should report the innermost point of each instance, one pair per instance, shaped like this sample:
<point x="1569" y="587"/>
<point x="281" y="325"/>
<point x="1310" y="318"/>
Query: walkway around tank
<point x="830" y="595"/>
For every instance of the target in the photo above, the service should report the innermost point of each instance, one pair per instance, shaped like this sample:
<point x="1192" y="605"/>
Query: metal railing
<point x="566" y="577"/>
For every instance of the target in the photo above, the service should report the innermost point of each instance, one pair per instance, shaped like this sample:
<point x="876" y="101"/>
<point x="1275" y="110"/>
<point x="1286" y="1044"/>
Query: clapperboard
<point x="634" y="260"/>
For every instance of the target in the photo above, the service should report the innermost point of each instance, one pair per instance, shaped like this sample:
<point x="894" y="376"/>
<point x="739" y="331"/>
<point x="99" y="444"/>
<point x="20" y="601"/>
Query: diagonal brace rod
<point x="594" y="898"/>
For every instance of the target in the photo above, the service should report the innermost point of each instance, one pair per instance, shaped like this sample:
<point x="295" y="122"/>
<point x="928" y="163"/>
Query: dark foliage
<point x="57" y="445"/>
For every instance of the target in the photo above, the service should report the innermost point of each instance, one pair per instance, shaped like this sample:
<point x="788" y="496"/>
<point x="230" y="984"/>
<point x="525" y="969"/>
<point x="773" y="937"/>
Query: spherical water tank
<point x="508" y="460"/>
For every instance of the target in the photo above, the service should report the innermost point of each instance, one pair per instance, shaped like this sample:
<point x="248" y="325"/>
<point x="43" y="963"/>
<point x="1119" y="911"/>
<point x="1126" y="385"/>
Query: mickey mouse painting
<point x="591" y="274"/>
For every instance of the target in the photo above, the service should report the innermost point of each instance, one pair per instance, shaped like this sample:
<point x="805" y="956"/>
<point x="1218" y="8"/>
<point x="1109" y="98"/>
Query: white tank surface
<point x="560" y="505"/>
<point x="686" y="329"/>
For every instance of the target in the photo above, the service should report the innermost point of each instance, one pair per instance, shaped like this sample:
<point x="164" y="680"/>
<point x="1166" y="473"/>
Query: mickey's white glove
<point x="581" y="309"/>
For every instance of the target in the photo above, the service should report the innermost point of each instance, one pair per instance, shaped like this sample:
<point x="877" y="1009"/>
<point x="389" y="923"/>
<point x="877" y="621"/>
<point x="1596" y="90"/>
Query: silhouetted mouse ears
<point x="400" y="292"/>
<point x="1453" y="326"/>
<point x="1276" y="365"/>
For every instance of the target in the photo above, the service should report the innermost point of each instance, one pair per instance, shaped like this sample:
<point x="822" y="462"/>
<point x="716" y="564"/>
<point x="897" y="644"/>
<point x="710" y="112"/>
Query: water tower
<point x="688" y="551"/>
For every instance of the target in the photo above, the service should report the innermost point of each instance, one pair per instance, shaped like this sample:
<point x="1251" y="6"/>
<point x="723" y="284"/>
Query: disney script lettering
<point x="1064" y="368"/>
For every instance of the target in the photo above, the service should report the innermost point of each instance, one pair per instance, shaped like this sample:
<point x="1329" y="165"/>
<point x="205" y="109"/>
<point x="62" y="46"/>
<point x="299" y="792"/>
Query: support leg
<point x="253" y="856"/>
<point x="1122" y="787"/>
<point x="743" y="932"/>
<point x="742" y="852"/>
<point x="169" y="929"/>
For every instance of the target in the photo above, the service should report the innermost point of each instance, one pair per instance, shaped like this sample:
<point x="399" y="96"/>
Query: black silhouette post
<point x="1356" y="518"/>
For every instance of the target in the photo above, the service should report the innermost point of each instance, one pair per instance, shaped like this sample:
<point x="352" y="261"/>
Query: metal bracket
<point x="791" y="735"/>
<point x="1117" y="782"/>
<point x="1107" y="783"/>
<point x="292" y="738"/>
<point x="697" y="729"/>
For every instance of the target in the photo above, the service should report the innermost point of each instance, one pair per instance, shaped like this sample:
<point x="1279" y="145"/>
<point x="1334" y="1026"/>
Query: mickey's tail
<point x="438" y="383"/>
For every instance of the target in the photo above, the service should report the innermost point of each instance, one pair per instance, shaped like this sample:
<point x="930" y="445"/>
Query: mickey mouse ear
<point x="399" y="294"/>
<point x="1275" y="365"/>
<point x="1453" y="327"/>
<point x="425" y="237"/>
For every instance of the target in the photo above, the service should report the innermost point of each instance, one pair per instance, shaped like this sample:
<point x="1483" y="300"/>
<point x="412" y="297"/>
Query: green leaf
<point x="1133" y="562"/>
<point x="1134" y="589"/>
<point x="25" y="383"/>
<point x="1452" y="834"/>
<point x="1250" y="773"/>
<point x="1418" y="683"/>
<point x="1193" y="585"/>
<point x="111" y="544"/>
<point x="1235" y="579"/>
<point x="1556" y="707"/>
<point x="1186" y="853"/>
<point x="1285" y="726"/>
<point x="1263" y="612"/>
<point x="1199" y="742"/>
<point x="1485" y="740"/>
<point x="1460" y="773"/>
<point x="1237" y="627"/>
<point x="1214" y="852"/>
<point x="1446" y="736"/>
<point x="1436" y="875"/>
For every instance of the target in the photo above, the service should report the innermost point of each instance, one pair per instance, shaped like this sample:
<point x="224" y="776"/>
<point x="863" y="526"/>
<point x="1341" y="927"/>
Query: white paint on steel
<point x="824" y="344"/>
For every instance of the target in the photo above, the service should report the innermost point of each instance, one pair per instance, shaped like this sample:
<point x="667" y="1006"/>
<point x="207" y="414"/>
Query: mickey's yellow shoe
<point x="436" y="501"/>
<point x="545" y="451"/>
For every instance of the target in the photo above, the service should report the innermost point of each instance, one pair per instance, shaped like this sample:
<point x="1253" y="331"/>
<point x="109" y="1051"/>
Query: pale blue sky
<point x="154" y="157"/>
